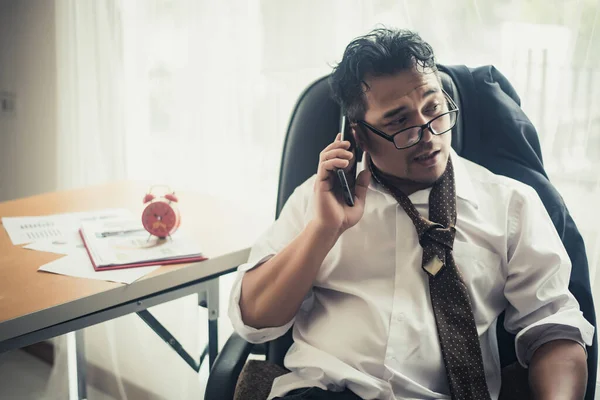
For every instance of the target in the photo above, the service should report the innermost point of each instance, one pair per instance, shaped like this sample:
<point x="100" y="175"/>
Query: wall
<point x="28" y="69"/>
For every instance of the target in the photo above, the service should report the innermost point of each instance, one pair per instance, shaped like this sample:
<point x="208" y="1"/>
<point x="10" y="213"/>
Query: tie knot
<point x="437" y="233"/>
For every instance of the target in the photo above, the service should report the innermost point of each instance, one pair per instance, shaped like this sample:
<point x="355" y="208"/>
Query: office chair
<point x="315" y="123"/>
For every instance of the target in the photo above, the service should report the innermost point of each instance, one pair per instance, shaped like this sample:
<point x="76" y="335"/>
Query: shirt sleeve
<point x="290" y="223"/>
<point x="541" y="307"/>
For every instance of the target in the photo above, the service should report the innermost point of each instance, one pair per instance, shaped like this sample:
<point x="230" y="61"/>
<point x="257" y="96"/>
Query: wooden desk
<point x="36" y="306"/>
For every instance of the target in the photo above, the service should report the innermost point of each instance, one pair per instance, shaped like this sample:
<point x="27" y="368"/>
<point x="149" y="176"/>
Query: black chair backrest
<point x="313" y="125"/>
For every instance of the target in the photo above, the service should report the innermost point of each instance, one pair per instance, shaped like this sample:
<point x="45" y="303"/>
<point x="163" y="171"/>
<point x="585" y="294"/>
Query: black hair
<point x="381" y="52"/>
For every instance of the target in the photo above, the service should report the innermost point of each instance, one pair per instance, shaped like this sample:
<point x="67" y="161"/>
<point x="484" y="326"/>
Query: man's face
<point x="399" y="101"/>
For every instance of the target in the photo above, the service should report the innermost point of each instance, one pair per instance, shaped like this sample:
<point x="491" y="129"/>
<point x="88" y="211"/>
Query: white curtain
<point x="197" y="93"/>
<point x="91" y="132"/>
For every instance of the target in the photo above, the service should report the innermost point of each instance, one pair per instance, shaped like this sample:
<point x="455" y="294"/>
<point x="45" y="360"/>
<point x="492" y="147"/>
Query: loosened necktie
<point x="457" y="332"/>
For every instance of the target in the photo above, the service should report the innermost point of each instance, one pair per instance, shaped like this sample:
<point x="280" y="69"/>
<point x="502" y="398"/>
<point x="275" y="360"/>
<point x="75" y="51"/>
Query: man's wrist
<point x="324" y="232"/>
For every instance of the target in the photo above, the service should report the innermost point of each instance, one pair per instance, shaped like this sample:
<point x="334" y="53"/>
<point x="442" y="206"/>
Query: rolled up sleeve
<point x="541" y="307"/>
<point x="289" y="224"/>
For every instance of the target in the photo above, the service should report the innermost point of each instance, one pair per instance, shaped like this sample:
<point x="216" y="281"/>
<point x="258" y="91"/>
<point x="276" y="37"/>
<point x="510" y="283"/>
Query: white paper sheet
<point x="58" y="227"/>
<point x="68" y="245"/>
<point x="78" y="264"/>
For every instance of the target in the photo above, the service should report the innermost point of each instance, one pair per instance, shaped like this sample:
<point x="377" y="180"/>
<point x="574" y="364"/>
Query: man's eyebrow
<point x="391" y="113"/>
<point x="431" y="91"/>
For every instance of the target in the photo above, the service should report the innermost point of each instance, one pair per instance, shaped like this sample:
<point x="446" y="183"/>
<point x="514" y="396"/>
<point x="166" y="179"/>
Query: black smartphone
<point x="347" y="192"/>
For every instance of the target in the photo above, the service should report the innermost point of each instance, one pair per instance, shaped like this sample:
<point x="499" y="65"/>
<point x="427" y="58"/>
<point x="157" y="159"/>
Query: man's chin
<point x="429" y="177"/>
<point x="421" y="182"/>
<point x="424" y="183"/>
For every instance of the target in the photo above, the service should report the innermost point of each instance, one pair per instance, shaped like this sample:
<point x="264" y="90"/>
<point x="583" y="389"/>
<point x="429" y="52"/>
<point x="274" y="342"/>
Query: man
<point x="398" y="296"/>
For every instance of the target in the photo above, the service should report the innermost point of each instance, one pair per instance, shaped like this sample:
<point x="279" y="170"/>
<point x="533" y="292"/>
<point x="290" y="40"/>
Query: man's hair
<point x="379" y="53"/>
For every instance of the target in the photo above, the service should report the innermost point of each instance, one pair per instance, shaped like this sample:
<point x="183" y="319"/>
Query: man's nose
<point x="426" y="134"/>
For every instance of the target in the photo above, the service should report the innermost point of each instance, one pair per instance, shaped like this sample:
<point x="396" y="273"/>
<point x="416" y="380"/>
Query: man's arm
<point x="558" y="370"/>
<point x="551" y="328"/>
<point x="273" y="292"/>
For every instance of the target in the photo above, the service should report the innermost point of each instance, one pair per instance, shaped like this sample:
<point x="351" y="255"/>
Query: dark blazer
<point x="502" y="139"/>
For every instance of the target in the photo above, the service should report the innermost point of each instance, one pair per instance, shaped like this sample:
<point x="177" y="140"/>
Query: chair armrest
<point x="226" y="368"/>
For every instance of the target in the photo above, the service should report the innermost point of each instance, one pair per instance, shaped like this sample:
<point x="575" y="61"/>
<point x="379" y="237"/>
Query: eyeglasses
<point x="409" y="137"/>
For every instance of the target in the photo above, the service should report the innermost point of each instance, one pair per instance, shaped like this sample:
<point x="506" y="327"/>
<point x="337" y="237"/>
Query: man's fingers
<point x="337" y="144"/>
<point x="336" y="153"/>
<point x="327" y="166"/>
<point x="334" y="163"/>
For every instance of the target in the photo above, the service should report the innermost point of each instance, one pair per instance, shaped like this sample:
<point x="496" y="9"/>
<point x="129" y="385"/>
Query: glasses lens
<point x="443" y="123"/>
<point x="407" y="138"/>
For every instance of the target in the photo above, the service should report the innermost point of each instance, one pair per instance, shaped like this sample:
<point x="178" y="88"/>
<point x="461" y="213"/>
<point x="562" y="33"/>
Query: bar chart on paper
<point x="30" y="229"/>
<point x="40" y="230"/>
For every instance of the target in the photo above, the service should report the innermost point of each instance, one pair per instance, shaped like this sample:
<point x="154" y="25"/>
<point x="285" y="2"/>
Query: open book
<point x="124" y="243"/>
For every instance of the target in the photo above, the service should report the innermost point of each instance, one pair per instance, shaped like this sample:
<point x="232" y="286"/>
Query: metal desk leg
<point x="212" y="305"/>
<point x="76" y="365"/>
<point x="213" y="341"/>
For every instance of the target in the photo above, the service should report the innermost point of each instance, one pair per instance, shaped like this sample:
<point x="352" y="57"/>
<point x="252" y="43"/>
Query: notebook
<point x="124" y="243"/>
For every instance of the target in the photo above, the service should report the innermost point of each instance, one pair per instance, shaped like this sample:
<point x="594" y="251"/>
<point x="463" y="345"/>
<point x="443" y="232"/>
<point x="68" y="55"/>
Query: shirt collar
<point x="464" y="184"/>
<point x="462" y="180"/>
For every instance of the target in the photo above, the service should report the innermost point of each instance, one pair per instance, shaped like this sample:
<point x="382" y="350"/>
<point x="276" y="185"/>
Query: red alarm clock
<point x="161" y="216"/>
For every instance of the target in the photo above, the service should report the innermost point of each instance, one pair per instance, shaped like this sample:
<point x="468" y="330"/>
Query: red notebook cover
<point x="141" y="264"/>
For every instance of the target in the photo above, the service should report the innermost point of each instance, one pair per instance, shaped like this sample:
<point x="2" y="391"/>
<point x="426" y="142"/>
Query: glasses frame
<point x="427" y="125"/>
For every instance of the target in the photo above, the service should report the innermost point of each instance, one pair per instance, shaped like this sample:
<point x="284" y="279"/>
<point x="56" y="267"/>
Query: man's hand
<point x="558" y="370"/>
<point x="273" y="292"/>
<point x="332" y="213"/>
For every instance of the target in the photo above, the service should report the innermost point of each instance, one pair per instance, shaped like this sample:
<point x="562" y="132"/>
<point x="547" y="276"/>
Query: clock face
<point x="160" y="218"/>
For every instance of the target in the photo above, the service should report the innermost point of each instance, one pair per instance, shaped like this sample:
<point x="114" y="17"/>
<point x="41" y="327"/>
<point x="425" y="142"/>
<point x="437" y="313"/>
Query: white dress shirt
<point x="367" y="323"/>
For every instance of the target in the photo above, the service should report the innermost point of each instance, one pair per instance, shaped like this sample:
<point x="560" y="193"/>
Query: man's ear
<point x="360" y="141"/>
<point x="359" y="137"/>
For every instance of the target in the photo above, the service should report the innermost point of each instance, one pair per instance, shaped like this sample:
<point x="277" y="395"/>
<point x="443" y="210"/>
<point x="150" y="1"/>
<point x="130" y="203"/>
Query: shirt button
<point x="400" y="317"/>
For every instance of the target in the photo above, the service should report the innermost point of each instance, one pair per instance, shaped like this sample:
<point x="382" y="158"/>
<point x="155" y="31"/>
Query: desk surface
<point x="32" y="300"/>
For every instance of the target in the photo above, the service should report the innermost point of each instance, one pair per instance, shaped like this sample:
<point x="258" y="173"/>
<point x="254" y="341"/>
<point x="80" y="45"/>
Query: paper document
<point x="78" y="264"/>
<point x="68" y="245"/>
<point x="58" y="227"/>
<point x="125" y="242"/>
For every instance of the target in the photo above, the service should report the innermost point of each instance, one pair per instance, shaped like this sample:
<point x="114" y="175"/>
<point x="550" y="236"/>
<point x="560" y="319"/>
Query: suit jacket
<point x="502" y="139"/>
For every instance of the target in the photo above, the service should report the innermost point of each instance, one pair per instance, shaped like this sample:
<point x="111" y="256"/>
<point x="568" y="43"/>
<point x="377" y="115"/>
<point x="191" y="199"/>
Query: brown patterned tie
<point x="450" y="301"/>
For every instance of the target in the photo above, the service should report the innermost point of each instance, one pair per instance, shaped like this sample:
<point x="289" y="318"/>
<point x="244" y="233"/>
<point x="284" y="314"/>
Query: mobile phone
<point x="343" y="182"/>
